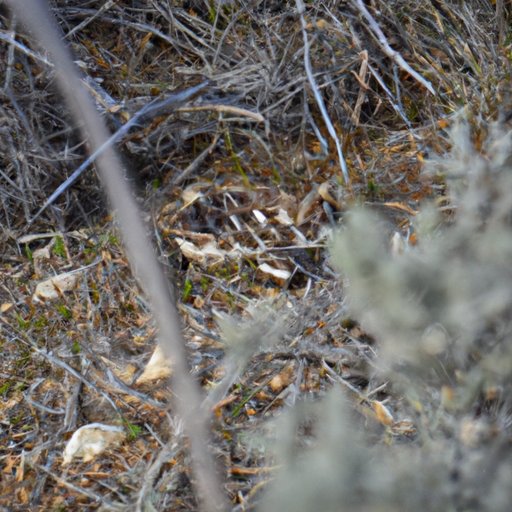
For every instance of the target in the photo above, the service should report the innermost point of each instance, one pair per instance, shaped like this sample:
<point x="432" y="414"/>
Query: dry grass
<point x="201" y="170"/>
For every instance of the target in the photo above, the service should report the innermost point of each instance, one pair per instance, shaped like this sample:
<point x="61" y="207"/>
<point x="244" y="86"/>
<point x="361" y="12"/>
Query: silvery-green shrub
<point x="441" y="315"/>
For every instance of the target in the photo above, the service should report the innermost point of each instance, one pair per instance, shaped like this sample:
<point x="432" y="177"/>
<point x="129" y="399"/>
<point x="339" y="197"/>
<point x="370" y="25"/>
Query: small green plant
<point x="64" y="312"/>
<point x="276" y="176"/>
<point x="59" y="249"/>
<point x="21" y="386"/>
<point x="17" y="419"/>
<point x="5" y="387"/>
<point x="24" y="359"/>
<point x="237" y="163"/>
<point x="23" y="324"/>
<point x="372" y="187"/>
<point x="247" y="396"/>
<point x="187" y="290"/>
<point x="28" y="252"/>
<point x="204" y="283"/>
<point x="107" y="240"/>
<point x="40" y="322"/>
<point x="133" y="430"/>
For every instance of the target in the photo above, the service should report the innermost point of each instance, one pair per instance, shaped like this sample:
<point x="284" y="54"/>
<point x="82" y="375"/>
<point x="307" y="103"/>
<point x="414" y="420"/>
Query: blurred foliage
<point x="441" y="314"/>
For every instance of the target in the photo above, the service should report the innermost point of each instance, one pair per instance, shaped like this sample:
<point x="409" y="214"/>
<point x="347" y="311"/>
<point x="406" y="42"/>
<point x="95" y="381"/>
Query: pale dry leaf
<point x="288" y="203"/>
<point x="158" y="367"/>
<point x="400" y="206"/>
<point x="91" y="440"/>
<point x="52" y="288"/>
<point x="6" y="306"/>
<point x="277" y="273"/>
<point x="260" y="217"/>
<point x="39" y="256"/>
<point x="283" y="218"/>
<point x="282" y="380"/>
<point x="191" y="251"/>
<point x="27" y="239"/>
<point x="323" y="191"/>
<point x="207" y="254"/>
<point x="306" y="205"/>
<point x="382" y="413"/>
<point x="213" y="253"/>
<point x="44" y="253"/>
<point x="123" y="371"/>
<point x="192" y="193"/>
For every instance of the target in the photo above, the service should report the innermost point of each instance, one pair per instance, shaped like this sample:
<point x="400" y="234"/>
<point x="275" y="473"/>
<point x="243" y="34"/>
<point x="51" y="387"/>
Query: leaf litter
<point x="250" y="227"/>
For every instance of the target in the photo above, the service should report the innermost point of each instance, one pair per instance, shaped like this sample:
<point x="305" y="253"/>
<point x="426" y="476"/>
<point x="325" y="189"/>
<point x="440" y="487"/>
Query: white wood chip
<point x="91" y="440"/>
<point x="50" y="288"/>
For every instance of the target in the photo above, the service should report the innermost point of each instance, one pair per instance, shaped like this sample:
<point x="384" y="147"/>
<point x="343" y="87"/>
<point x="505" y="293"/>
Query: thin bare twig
<point x="61" y="364"/>
<point x="139" y="249"/>
<point x="196" y="163"/>
<point x="318" y="96"/>
<point x="386" y="47"/>
<point x="105" y="7"/>
<point x="9" y="38"/>
<point x="79" y="490"/>
<point x="10" y="56"/>
<point x="151" y="474"/>
<point x="393" y="101"/>
<point x="229" y="109"/>
<point x="150" y="110"/>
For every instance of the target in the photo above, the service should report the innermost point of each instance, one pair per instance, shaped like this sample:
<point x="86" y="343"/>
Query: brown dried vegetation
<point x="241" y="182"/>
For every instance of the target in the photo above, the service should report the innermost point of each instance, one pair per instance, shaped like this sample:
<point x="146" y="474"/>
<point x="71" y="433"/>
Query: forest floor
<point x="242" y="187"/>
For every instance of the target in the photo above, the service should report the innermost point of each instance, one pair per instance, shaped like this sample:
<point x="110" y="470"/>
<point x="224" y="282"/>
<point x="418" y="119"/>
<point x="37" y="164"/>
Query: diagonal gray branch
<point x="35" y="15"/>
<point x="156" y="107"/>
